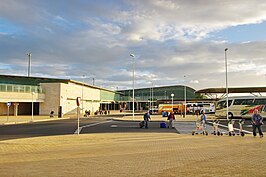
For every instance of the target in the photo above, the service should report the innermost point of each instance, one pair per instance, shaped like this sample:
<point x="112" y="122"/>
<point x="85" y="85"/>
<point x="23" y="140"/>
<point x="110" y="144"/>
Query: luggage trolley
<point x="216" y="130"/>
<point x="231" y="130"/>
<point x="200" y="128"/>
<point x="241" y="123"/>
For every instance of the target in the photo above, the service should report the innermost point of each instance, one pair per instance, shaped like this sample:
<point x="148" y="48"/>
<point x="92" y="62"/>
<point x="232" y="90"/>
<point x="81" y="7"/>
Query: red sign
<point x="78" y="101"/>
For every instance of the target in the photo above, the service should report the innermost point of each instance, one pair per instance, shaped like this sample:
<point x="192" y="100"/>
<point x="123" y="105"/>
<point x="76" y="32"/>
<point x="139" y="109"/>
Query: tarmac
<point x="134" y="154"/>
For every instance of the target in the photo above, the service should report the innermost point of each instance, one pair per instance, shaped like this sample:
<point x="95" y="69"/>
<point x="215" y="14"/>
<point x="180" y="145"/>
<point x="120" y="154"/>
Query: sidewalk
<point x="26" y="119"/>
<point x="133" y="155"/>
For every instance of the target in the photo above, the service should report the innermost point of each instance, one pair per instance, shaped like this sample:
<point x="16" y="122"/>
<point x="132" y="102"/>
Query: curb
<point x="26" y="122"/>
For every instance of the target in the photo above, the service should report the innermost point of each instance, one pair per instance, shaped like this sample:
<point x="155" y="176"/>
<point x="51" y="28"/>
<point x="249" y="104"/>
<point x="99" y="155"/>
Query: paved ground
<point x="133" y="154"/>
<point x="120" y="148"/>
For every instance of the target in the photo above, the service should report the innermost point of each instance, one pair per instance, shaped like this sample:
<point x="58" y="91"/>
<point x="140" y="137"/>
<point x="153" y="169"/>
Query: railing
<point x="20" y="88"/>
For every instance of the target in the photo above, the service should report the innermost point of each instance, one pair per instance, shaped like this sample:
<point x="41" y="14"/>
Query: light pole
<point x="226" y="81"/>
<point x="133" y="80"/>
<point x="172" y="95"/>
<point x="152" y="97"/>
<point x="32" y="106"/>
<point x="82" y="94"/>
<point x="29" y="54"/>
<point x="150" y="101"/>
<point x="185" y="99"/>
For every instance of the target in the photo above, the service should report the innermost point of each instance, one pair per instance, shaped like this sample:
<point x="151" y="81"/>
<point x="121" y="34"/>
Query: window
<point x="238" y="101"/>
<point x="247" y="102"/>
<point x="260" y="101"/>
<point x="222" y="104"/>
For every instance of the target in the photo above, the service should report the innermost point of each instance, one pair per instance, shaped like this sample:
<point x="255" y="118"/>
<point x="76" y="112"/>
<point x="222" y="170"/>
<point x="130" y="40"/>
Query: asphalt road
<point x="69" y="126"/>
<point x="94" y="125"/>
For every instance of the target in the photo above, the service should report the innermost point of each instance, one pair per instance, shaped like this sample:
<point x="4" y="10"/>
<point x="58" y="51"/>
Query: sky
<point x="174" y="42"/>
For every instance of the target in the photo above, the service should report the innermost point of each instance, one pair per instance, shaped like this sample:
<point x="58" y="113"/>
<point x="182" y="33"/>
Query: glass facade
<point x="20" y="88"/>
<point x="159" y="93"/>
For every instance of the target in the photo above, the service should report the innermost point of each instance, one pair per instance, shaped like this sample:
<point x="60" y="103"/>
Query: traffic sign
<point x="8" y="104"/>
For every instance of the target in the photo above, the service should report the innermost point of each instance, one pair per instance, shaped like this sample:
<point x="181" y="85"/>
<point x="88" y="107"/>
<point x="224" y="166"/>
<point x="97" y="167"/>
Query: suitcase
<point x="141" y="124"/>
<point x="162" y="125"/>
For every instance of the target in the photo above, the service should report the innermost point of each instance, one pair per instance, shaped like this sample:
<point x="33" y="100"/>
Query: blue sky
<point x="242" y="33"/>
<point x="169" y="38"/>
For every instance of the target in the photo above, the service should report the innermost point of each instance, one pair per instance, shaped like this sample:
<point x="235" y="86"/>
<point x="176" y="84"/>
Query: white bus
<point x="241" y="106"/>
<point x="207" y="107"/>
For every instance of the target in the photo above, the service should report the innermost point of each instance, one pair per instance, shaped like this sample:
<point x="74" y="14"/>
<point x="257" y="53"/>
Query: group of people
<point x="170" y="119"/>
<point x="256" y="119"/>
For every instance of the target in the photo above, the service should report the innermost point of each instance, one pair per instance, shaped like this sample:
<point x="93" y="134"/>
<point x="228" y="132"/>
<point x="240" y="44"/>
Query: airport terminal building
<point x="43" y="95"/>
<point x="47" y="94"/>
<point x="151" y="97"/>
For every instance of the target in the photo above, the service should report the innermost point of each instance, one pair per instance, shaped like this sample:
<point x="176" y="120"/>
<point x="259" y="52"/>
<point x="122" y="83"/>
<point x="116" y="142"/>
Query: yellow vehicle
<point x="176" y="108"/>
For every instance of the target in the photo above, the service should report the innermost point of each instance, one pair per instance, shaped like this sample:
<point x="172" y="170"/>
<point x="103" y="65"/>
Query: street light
<point x="172" y="95"/>
<point x="226" y="81"/>
<point x="185" y="98"/>
<point x="82" y="107"/>
<point x="32" y="93"/>
<point x="152" y="97"/>
<point x="29" y="54"/>
<point x="133" y="80"/>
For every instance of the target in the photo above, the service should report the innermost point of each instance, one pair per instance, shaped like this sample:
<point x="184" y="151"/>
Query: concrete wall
<point x="3" y="109"/>
<point x="90" y="99"/>
<point x="56" y="94"/>
<point x="60" y="94"/>
<point x="52" y="98"/>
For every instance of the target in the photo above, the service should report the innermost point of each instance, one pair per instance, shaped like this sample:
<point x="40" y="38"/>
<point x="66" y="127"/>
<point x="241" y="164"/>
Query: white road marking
<point x="90" y="125"/>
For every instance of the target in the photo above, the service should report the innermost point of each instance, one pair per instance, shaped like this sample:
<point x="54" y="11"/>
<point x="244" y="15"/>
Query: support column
<point x="16" y="109"/>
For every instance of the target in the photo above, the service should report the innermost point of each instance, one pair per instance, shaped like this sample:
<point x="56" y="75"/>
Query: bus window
<point x="238" y="101"/>
<point x="243" y="102"/>
<point x="260" y="101"/>
<point x="247" y="102"/>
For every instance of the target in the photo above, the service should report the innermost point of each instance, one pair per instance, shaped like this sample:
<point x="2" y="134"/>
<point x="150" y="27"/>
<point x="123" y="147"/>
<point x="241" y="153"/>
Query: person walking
<point x="170" y="118"/>
<point x="146" y="118"/>
<point x="256" y="123"/>
<point x="203" y="119"/>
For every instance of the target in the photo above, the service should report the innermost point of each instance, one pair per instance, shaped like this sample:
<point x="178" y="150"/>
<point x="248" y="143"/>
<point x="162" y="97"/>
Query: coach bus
<point x="241" y="106"/>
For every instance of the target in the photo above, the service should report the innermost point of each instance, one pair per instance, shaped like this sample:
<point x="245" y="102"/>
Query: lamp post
<point x="150" y="101"/>
<point x="29" y="54"/>
<point x="151" y="97"/>
<point x="82" y="95"/>
<point x="133" y="84"/>
<point x="226" y="81"/>
<point x="32" y="106"/>
<point x="185" y="99"/>
<point x="172" y="95"/>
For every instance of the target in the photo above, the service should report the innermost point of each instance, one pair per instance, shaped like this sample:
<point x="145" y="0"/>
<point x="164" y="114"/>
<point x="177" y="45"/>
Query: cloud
<point x="194" y="82"/>
<point x="170" y="39"/>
